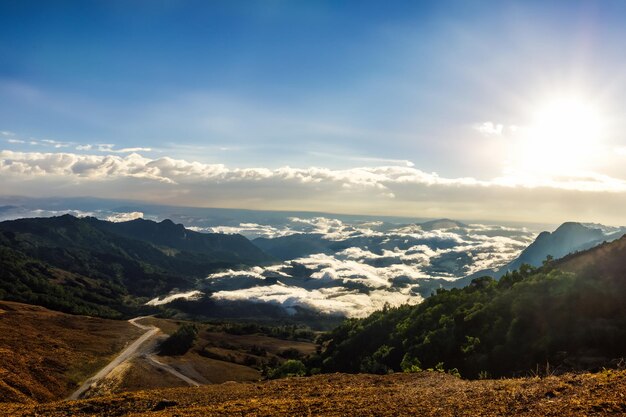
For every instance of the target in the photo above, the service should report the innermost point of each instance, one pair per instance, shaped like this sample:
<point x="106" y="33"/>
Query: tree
<point x="292" y="367"/>
<point x="181" y="341"/>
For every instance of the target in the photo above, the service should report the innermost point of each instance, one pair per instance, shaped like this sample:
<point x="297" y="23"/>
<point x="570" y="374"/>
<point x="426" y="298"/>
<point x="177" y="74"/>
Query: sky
<point x="486" y="110"/>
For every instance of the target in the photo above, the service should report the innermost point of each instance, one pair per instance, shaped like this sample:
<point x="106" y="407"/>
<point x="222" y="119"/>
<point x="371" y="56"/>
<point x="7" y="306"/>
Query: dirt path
<point x="138" y="348"/>
<point x="155" y="362"/>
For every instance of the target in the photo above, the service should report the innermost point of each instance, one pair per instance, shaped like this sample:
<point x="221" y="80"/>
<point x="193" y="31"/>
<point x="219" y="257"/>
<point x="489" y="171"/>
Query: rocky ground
<point x="423" y="394"/>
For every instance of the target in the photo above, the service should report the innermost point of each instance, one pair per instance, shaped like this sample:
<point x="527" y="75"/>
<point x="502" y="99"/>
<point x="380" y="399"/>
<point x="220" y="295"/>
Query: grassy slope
<point x="45" y="354"/>
<point x="424" y="394"/>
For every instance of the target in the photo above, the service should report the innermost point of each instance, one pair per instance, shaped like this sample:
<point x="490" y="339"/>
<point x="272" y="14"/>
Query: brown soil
<point x="423" y="394"/>
<point x="45" y="354"/>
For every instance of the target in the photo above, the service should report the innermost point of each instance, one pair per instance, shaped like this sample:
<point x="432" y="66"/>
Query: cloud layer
<point x="367" y="264"/>
<point x="394" y="190"/>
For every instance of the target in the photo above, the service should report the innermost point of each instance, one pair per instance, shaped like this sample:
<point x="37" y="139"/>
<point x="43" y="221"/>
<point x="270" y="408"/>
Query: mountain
<point x="295" y="246"/>
<point x="569" y="313"/>
<point x="441" y="224"/>
<point x="227" y="247"/>
<point x="567" y="238"/>
<point x="88" y="266"/>
<point x="304" y="244"/>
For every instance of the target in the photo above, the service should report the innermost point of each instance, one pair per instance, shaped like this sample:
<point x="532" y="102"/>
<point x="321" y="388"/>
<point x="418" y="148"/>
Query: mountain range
<point x="112" y="268"/>
<point x="89" y="266"/>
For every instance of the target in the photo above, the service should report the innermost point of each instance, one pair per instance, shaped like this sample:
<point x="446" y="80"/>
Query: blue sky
<point x="439" y="86"/>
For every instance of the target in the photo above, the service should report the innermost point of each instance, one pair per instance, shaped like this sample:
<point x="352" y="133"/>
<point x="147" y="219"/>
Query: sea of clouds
<point x="345" y="267"/>
<point x="355" y="268"/>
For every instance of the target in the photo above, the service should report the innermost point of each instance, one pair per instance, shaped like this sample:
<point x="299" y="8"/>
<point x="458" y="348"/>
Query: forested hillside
<point x="84" y="266"/>
<point x="569" y="314"/>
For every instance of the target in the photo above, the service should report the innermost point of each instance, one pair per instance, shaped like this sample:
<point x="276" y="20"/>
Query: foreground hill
<point x="44" y="354"/>
<point x="47" y="355"/>
<point x="421" y="394"/>
<point x="94" y="267"/>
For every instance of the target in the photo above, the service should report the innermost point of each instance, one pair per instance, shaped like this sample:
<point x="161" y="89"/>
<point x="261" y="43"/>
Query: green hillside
<point x="569" y="314"/>
<point x="84" y="266"/>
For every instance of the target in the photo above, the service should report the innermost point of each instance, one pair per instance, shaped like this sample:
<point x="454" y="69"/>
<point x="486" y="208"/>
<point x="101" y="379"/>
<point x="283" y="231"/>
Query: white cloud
<point x="109" y="147"/>
<point x="249" y="230"/>
<point x="490" y="128"/>
<point x="190" y="295"/>
<point x="124" y="217"/>
<point x="177" y="171"/>
<point x="335" y="301"/>
<point x="55" y="143"/>
<point x="398" y="190"/>
<point x="391" y="266"/>
<point x="15" y="141"/>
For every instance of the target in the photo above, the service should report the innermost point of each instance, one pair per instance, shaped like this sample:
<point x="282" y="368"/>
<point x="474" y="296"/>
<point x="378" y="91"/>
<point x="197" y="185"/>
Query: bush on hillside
<point x="179" y="342"/>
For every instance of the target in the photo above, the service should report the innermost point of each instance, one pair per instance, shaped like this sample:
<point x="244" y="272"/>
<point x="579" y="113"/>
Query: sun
<point x="561" y="138"/>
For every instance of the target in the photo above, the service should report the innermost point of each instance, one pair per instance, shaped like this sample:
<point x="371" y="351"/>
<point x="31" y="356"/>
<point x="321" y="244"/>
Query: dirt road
<point x="139" y="348"/>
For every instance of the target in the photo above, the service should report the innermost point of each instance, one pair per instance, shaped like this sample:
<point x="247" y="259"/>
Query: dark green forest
<point x="88" y="266"/>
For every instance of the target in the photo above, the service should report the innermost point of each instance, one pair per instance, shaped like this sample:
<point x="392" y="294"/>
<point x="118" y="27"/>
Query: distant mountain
<point x="295" y="246"/>
<point x="93" y="267"/>
<point x="304" y="244"/>
<point x="227" y="247"/>
<point x="441" y="224"/>
<point x="567" y="238"/>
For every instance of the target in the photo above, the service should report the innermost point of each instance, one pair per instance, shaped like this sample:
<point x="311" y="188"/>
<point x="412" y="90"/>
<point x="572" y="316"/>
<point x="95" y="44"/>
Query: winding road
<point x="139" y="347"/>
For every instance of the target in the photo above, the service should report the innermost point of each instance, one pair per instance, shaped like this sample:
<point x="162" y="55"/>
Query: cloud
<point x="396" y="266"/>
<point x="249" y="230"/>
<point x="15" y="141"/>
<point x="124" y="217"/>
<point x="175" y="171"/>
<point x="190" y="295"/>
<point x="335" y="301"/>
<point x="397" y="190"/>
<point x="490" y="128"/>
<point x="108" y="147"/>
<point x="55" y="143"/>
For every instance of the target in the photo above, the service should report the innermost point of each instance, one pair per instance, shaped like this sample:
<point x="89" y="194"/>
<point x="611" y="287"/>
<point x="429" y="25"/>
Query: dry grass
<point x="45" y="354"/>
<point x="423" y="394"/>
<point x="218" y="357"/>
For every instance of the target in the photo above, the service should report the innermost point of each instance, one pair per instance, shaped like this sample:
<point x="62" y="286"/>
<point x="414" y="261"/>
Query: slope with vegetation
<point x="569" y="314"/>
<point x="93" y="267"/>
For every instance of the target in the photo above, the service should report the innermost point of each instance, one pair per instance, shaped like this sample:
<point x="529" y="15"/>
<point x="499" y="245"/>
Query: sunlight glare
<point x="563" y="137"/>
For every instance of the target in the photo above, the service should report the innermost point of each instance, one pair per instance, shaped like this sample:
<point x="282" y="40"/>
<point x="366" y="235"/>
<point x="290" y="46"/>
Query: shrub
<point x="181" y="341"/>
<point x="292" y="367"/>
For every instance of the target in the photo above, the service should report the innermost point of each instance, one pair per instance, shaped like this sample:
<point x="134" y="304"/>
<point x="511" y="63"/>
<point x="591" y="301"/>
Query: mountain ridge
<point x="79" y="265"/>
